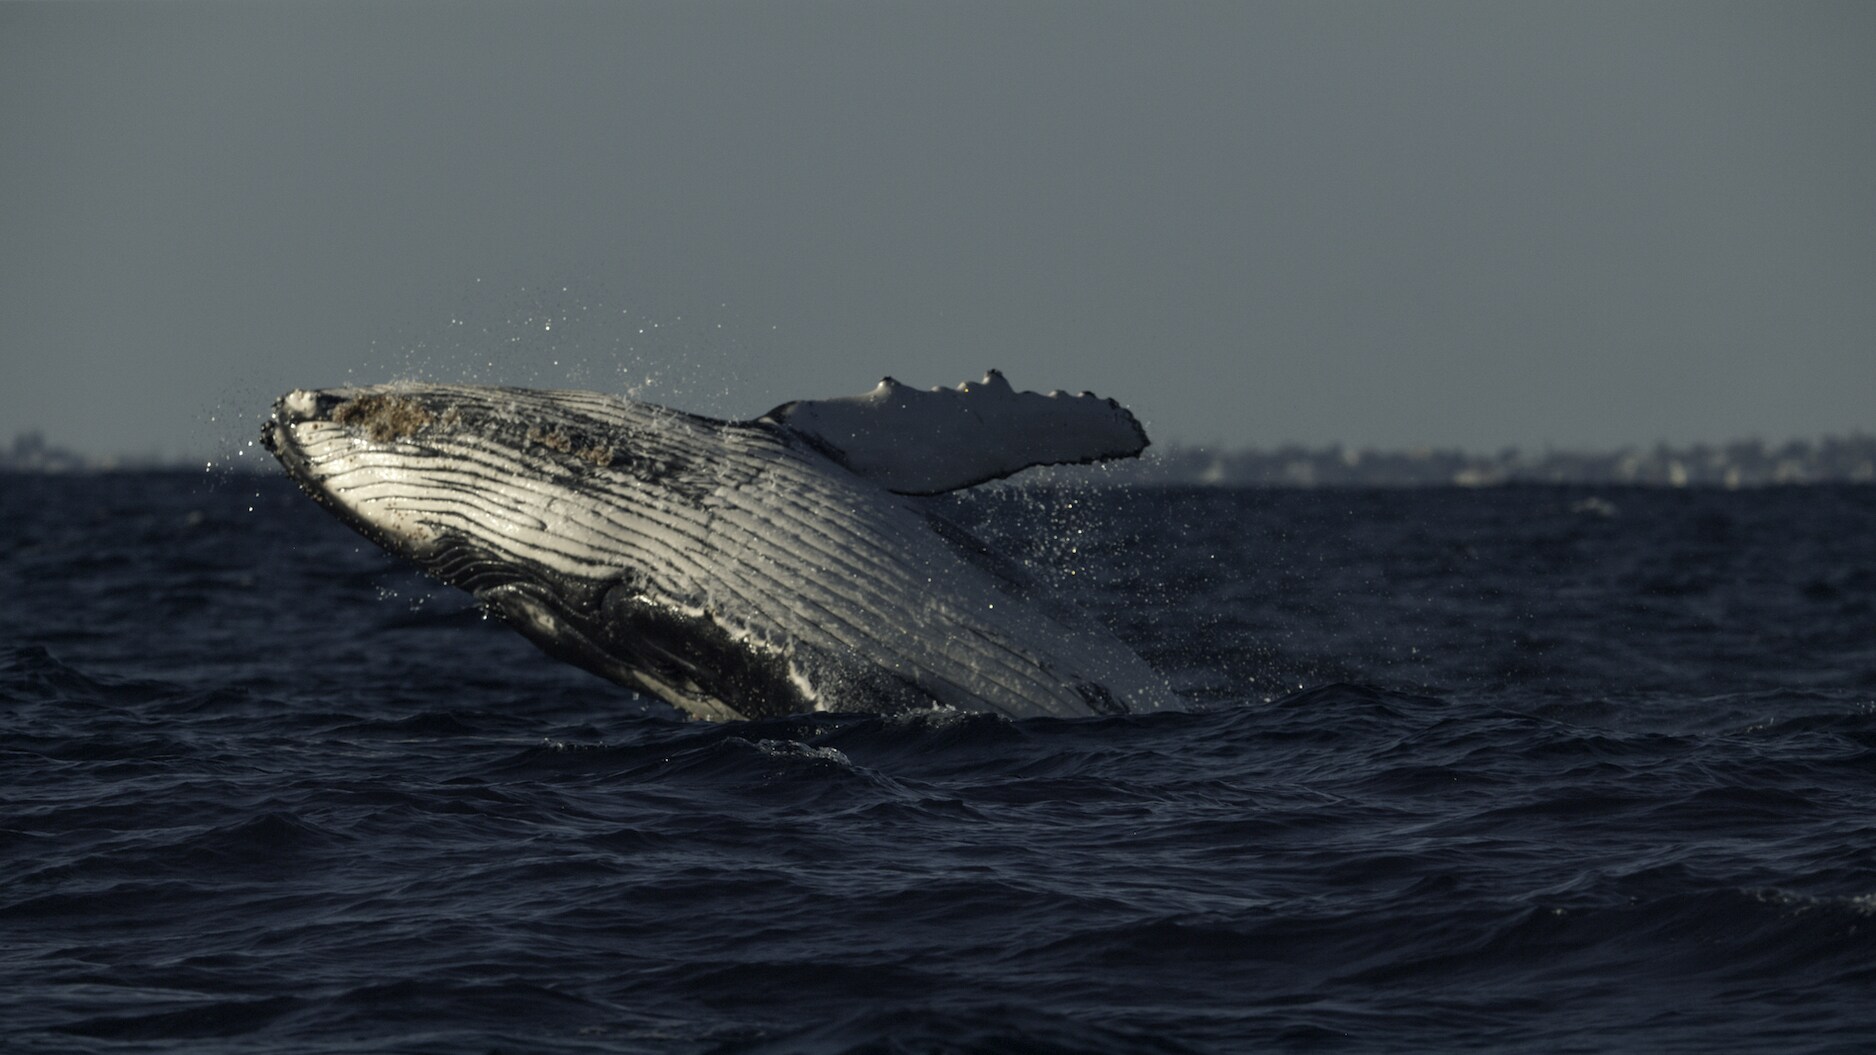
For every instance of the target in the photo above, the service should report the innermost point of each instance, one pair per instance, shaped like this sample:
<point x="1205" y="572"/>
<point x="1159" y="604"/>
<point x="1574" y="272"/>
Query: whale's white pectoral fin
<point x="928" y="442"/>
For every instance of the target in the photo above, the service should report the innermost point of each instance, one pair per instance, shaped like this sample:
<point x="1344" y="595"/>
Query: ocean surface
<point x="1517" y="770"/>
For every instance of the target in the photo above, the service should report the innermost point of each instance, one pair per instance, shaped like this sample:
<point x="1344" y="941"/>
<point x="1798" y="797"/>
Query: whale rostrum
<point x="735" y="569"/>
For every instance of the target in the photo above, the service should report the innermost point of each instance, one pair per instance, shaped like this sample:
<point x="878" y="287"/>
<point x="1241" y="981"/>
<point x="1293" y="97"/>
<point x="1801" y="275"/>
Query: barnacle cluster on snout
<point x="384" y="417"/>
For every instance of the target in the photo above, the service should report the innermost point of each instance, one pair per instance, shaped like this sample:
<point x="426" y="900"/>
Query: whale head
<point x="560" y="511"/>
<point x="428" y="471"/>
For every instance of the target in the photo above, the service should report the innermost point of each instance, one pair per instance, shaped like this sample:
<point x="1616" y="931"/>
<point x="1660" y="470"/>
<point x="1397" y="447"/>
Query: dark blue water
<point x="1513" y="770"/>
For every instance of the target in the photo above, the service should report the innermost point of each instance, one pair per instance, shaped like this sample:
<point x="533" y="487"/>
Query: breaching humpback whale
<point x="735" y="569"/>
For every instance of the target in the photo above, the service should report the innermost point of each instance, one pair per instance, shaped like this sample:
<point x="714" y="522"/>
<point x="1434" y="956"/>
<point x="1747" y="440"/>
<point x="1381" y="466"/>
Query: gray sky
<point x="1457" y="224"/>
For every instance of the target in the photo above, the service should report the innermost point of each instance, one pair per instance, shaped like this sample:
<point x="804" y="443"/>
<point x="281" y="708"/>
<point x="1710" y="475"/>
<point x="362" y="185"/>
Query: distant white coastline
<point x="1742" y="463"/>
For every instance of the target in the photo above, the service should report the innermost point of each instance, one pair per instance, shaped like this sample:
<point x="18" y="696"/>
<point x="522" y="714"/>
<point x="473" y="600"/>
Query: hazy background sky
<point x="1397" y="224"/>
